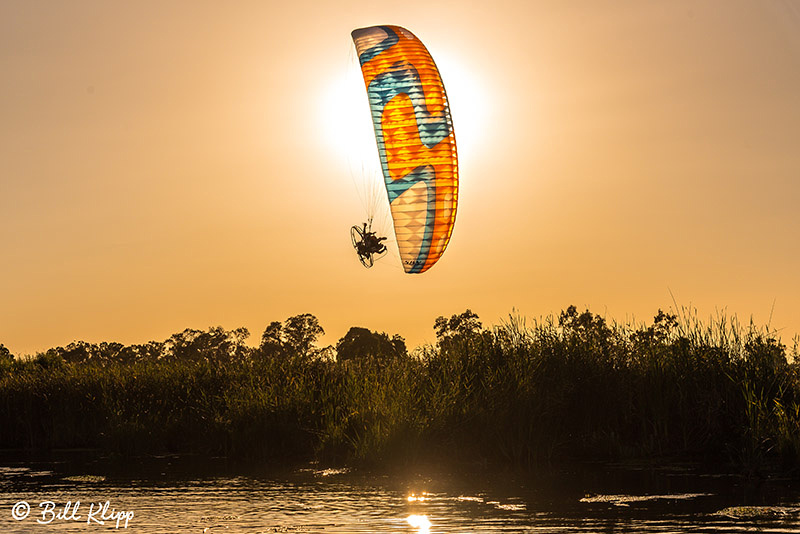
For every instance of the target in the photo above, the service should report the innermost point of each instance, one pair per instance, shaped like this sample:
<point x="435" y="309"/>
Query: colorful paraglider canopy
<point x="416" y="142"/>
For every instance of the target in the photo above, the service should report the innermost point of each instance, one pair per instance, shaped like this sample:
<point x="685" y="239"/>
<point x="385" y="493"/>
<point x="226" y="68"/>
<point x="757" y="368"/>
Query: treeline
<point x="294" y="338"/>
<point x="568" y="387"/>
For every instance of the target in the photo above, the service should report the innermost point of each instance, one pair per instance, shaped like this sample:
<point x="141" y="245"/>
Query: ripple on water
<point x="759" y="512"/>
<point x="344" y="503"/>
<point x="625" y="500"/>
<point x="90" y="479"/>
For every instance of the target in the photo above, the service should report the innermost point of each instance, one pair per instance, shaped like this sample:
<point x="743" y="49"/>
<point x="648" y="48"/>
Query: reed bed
<point x="558" y="389"/>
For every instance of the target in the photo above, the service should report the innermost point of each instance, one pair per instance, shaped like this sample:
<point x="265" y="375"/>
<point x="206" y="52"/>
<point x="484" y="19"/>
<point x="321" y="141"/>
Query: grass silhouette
<point x="563" y="388"/>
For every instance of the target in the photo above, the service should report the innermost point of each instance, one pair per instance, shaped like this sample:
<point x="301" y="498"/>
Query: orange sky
<point x="166" y="165"/>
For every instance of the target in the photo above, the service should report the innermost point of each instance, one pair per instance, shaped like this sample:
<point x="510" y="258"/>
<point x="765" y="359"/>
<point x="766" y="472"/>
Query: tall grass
<point x="562" y="388"/>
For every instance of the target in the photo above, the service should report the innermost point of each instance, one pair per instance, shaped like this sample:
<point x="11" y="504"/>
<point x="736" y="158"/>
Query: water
<point x="166" y="496"/>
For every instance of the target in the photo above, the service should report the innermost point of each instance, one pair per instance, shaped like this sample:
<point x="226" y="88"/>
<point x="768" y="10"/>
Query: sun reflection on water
<point x="418" y="498"/>
<point x="420" y="522"/>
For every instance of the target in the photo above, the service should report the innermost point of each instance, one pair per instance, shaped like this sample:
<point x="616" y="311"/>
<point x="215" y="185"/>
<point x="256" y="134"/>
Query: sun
<point x="469" y="105"/>
<point x="347" y="124"/>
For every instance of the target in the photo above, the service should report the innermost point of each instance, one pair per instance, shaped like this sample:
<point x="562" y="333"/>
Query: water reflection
<point x="419" y="522"/>
<point x="337" y="501"/>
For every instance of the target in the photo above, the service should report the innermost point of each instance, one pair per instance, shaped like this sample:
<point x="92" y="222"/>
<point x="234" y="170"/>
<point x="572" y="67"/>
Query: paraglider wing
<point x="416" y="142"/>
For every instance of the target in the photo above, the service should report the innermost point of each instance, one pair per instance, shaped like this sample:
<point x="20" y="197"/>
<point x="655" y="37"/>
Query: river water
<point x="166" y="496"/>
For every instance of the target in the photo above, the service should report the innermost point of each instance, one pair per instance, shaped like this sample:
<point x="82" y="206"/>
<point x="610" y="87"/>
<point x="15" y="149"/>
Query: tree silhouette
<point x="81" y="351"/>
<point x="302" y="331"/>
<point x="295" y="337"/>
<point x="361" y="343"/>
<point x="150" y="351"/>
<point x="462" y="332"/>
<point x="215" y="345"/>
<point x="464" y="325"/>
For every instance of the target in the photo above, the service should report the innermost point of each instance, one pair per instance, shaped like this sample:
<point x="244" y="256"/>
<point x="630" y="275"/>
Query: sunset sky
<point x="166" y="165"/>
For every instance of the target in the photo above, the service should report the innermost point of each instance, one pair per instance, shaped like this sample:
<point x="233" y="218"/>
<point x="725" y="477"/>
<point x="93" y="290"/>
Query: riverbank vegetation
<point x="572" y="387"/>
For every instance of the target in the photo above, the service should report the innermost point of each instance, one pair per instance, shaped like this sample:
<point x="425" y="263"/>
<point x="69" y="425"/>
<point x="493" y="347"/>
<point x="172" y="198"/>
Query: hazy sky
<point x="166" y="165"/>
